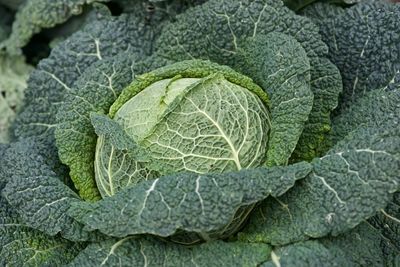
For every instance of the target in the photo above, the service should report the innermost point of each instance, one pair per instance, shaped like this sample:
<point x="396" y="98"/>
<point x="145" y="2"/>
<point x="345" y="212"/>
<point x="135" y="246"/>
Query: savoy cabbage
<point x="204" y="133"/>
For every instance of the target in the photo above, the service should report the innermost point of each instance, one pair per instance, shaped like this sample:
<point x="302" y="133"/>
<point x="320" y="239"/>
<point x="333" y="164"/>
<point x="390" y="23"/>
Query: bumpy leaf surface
<point x="348" y="185"/>
<point x="189" y="202"/>
<point x="364" y="42"/>
<point x="36" y="194"/>
<point x="375" y="108"/>
<point x="358" y="247"/>
<point x="76" y="138"/>
<point x="97" y="44"/>
<point x="147" y="251"/>
<point x="319" y="11"/>
<point x="22" y="246"/>
<point x="215" y="31"/>
<point x="387" y="223"/>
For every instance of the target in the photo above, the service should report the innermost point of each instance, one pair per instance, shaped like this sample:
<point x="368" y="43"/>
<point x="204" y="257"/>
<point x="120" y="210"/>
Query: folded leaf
<point x="279" y="64"/>
<point x="189" y="202"/>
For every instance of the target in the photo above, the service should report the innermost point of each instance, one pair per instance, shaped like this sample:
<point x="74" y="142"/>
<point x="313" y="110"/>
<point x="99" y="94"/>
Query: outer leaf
<point x="132" y="251"/>
<point x="48" y="83"/>
<point x="215" y="29"/>
<point x="376" y="108"/>
<point x="279" y="64"/>
<point x="103" y="38"/>
<point x="387" y="223"/>
<point x="186" y="202"/>
<point x="364" y="43"/>
<point x="348" y="185"/>
<point x="326" y="79"/>
<point x="22" y="246"/>
<point x="13" y="75"/>
<point x="36" y="194"/>
<point x="359" y="247"/>
<point x="34" y="15"/>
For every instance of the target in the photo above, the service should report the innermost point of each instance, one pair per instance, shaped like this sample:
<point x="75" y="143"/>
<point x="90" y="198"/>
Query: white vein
<point x="235" y="154"/>
<point x="113" y="248"/>
<point x="151" y="189"/>
<point x="98" y="52"/>
<point x="143" y="254"/>
<point x="198" y="194"/>
<point x="275" y="259"/>
<point x="330" y="188"/>
<point x="58" y="80"/>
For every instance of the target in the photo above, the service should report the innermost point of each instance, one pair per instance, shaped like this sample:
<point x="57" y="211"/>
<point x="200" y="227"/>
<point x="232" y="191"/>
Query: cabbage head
<point x="210" y="133"/>
<point x="189" y="117"/>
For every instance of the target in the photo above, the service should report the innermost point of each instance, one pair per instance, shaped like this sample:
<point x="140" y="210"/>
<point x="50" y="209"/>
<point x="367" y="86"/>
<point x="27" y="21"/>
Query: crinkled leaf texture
<point x="358" y="247"/>
<point x="23" y="246"/>
<point x="37" y="194"/>
<point x="374" y="108"/>
<point x="329" y="196"/>
<point x="357" y="177"/>
<point x="74" y="127"/>
<point x="364" y="42"/>
<point x="387" y="223"/>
